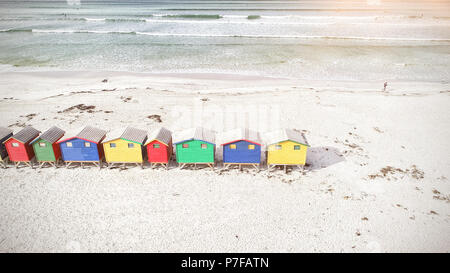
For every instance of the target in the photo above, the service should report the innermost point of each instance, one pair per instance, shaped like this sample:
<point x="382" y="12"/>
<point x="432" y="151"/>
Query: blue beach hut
<point x="241" y="147"/>
<point x="85" y="147"/>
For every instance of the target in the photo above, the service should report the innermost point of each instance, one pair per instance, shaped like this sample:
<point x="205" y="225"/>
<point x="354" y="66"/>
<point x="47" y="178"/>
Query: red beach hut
<point x="159" y="147"/>
<point x="19" y="148"/>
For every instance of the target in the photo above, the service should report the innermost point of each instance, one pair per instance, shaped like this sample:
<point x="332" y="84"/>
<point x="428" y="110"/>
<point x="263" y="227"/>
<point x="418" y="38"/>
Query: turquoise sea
<point x="334" y="40"/>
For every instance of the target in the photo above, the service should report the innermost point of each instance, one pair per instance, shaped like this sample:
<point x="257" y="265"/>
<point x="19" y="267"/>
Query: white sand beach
<point x="377" y="178"/>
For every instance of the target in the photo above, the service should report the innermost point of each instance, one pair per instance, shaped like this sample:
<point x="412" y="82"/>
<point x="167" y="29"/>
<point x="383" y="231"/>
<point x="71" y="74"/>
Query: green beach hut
<point x="45" y="147"/>
<point x="195" y="146"/>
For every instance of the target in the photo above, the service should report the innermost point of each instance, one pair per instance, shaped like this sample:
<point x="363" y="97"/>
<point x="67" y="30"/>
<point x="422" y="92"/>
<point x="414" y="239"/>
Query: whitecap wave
<point x="226" y="35"/>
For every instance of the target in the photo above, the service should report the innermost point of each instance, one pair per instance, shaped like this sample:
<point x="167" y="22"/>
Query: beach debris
<point x="18" y="124"/>
<point x="416" y="173"/>
<point x="365" y="219"/>
<point x="356" y="149"/>
<point x="433" y="212"/>
<point x="204" y="99"/>
<point x="287" y="181"/>
<point x="81" y="107"/>
<point x="390" y="172"/>
<point x="105" y="80"/>
<point x="125" y="99"/>
<point x="378" y="130"/>
<point x="439" y="196"/>
<point x="29" y="116"/>
<point x="156" y="118"/>
<point x="81" y="92"/>
<point x="75" y="119"/>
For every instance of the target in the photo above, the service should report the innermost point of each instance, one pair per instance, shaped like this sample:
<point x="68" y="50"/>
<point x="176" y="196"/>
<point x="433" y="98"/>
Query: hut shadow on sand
<point x="322" y="157"/>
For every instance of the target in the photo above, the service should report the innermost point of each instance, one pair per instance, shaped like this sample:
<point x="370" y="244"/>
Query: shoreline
<point x="112" y="73"/>
<point x="92" y="80"/>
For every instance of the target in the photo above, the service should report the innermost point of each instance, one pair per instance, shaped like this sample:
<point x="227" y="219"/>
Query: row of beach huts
<point x="196" y="146"/>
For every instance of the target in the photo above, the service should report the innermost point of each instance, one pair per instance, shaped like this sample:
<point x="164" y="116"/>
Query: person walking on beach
<point x="385" y="86"/>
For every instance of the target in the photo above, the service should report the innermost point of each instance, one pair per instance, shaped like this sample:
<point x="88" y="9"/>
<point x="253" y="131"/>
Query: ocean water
<point x="333" y="40"/>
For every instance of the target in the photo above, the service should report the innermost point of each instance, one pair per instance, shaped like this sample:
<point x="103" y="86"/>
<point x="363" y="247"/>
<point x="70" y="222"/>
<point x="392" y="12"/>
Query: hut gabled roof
<point x="52" y="135"/>
<point x="4" y="132"/>
<point x="198" y="133"/>
<point x="113" y="135"/>
<point x="92" y="134"/>
<point x="26" y="134"/>
<point x="134" y="135"/>
<point x="162" y="135"/>
<point x="284" y="135"/>
<point x="241" y="134"/>
<point x="129" y="134"/>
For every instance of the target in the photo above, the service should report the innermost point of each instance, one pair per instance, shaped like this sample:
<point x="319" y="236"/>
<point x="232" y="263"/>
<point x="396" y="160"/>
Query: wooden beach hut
<point x="5" y="133"/>
<point x="19" y="146"/>
<point x="159" y="147"/>
<point x="85" y="147"/>
<point x="196" y="146"/>
<point x="241" y="147"/>
<point x="45" y="147"/>
<point x="286" y="148"/>
<point x="125" y="146"/>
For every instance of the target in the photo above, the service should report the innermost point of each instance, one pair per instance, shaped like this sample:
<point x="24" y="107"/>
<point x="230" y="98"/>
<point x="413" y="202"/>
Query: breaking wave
<point x="16" y="30"/>
<point x="190" y="16"/>
<point x="221" y="35"/>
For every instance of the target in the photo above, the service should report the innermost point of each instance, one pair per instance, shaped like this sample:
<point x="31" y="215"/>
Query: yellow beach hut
<point x="286" y="148"/>
<point x="125" y="146"/>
